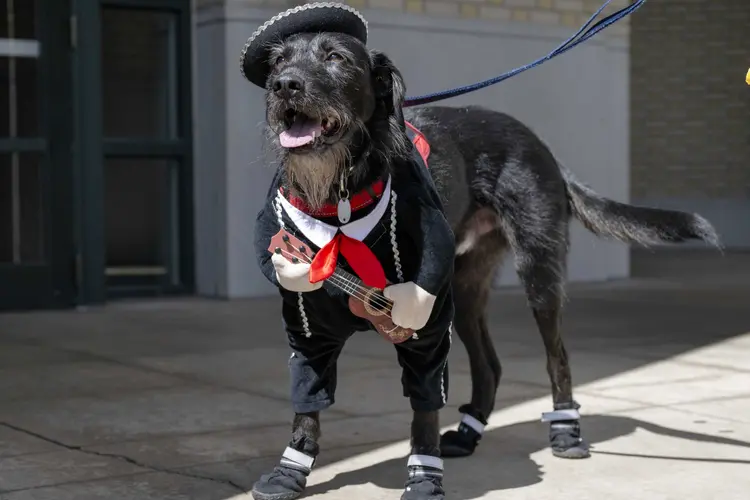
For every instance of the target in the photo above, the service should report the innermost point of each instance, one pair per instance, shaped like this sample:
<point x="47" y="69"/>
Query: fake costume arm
<point x="276" y="268"/>
<point x="413" y="300"/>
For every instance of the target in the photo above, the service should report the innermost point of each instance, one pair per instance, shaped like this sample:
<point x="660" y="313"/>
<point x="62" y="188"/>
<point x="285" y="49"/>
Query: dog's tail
<point x="633" y="224"/>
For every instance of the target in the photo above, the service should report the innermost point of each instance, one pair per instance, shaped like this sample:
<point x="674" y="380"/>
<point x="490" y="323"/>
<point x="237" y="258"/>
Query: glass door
<point x="142" y="131"/>
<point x="36" y="245"/>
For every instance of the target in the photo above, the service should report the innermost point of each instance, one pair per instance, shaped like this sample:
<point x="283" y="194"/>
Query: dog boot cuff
<point x="297" y="460"/>
<point x="425" y="466"/>
<point x="563" y="412"/>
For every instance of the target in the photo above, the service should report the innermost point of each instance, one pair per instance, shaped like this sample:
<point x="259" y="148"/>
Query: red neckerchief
<point x="363" y="262"/>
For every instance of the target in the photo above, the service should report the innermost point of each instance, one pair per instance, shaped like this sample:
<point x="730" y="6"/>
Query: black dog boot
<point x="565" y="431"/>
<point x="425" y="478"/>
<point x="463" y="442"/>
<point x="289" y="478"/>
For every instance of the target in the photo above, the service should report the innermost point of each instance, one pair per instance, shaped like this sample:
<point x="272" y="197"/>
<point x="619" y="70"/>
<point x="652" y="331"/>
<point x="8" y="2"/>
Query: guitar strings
<point x="354" y="287"/>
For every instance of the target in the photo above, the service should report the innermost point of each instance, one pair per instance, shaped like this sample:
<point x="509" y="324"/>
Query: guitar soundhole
<point x="375" y="303"/>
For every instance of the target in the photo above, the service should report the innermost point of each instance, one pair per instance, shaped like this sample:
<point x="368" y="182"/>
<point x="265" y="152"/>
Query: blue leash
<point x="581" y="36"/>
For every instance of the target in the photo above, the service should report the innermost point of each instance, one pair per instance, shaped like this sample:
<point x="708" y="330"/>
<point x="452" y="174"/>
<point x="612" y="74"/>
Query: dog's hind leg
<point x="473" y="276"/>
<point x="540" y="263"/>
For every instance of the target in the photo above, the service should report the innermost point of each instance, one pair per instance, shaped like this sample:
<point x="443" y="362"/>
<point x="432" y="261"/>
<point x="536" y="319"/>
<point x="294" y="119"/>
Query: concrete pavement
<point x="187" y="399"/>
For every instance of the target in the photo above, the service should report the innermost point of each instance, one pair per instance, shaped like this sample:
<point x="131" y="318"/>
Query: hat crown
<point x="301" y="10"/>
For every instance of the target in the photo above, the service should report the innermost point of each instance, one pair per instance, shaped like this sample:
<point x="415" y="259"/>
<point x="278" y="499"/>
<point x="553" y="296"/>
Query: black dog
<point x="334" y="110"/>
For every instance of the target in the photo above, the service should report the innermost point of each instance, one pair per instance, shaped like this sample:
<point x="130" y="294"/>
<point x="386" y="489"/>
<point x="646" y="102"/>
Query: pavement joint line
<point x="672" y="458"/>
<point x="124" y="458"/>
<point x="166" y="437"/>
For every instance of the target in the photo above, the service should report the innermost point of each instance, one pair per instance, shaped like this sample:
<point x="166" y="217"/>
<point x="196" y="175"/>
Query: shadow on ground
<point x="496" y="470"/>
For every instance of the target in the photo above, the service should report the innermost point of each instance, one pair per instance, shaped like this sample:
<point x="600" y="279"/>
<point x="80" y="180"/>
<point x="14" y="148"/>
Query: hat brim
<point x="308" y="18"/>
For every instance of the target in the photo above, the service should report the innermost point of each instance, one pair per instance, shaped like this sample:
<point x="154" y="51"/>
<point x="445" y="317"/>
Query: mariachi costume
<point x="392" y="232"/>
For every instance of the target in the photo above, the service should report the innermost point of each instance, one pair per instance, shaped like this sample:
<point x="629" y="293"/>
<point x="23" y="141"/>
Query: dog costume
<point x="392" y="235"/>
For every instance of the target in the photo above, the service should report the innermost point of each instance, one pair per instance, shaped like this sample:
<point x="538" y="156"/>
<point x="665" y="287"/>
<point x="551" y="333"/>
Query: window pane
<point x="141" y="216"/>
<point x="139" y="74"/>
<point x="18" y="19"/>
<point x="21" y="216"/>
<point x="18" y="97"/>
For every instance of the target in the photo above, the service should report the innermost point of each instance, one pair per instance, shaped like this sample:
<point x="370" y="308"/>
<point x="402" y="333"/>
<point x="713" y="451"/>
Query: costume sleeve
<point x="434" y="238"/>
<point x="266" y="226"/>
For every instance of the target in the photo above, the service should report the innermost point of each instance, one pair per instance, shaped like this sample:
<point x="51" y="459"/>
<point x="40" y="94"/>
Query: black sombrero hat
<point x="308" y="18"/>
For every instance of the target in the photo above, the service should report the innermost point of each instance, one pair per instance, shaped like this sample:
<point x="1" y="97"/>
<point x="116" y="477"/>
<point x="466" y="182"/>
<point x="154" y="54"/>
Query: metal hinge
<point x="73" y="31"/>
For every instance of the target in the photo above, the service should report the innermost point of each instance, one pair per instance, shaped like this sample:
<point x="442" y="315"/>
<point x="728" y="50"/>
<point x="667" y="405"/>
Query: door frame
<point x="92" y="149"/>
<point x="49" y="284"/>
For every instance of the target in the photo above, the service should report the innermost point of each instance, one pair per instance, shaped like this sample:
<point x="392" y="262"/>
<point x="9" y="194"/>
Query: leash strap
<point x="579" y="37"/>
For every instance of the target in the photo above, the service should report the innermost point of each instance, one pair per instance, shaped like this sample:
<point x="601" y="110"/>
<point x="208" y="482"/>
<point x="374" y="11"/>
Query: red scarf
<point x="361" y="259"/>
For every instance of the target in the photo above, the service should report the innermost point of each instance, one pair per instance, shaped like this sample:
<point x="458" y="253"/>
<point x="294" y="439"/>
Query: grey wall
<point x="578" y="103"/>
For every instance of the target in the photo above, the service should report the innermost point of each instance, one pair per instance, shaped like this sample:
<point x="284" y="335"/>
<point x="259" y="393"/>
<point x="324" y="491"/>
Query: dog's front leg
<point x="425" y="465"/>
<point x="289" y="478"/>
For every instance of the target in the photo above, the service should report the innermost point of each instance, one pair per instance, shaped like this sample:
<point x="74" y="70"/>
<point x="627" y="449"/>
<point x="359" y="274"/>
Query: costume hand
<point x="412" y="305"/>
<point x="293" y="277"/>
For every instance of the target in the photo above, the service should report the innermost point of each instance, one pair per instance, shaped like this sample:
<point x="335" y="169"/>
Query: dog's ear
<point x="388" y="84"/>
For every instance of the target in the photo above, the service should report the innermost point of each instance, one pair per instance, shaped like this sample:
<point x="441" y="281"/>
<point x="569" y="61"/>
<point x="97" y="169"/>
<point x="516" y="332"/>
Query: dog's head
<point x="331" y="104"/>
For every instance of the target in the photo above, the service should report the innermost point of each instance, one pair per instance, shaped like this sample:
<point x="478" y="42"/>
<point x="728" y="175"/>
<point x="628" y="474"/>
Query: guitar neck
<point x="347" y="282"/>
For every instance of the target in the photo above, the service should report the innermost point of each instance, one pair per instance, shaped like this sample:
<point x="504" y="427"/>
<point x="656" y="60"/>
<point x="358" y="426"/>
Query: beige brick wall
<point x="690" y="107"/>
<point x="569" y="13"/>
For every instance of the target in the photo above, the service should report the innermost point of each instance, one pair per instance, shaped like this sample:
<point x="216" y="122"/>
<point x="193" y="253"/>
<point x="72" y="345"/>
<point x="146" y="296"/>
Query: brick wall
<point x="690" y="106"/>
<point x="569" y="13"/>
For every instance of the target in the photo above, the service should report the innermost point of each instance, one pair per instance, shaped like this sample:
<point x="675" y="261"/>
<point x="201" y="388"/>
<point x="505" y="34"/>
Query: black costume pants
<point x="312" y="365"/>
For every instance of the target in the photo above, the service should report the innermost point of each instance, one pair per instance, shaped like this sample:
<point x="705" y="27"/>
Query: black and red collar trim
<point x="359" y="200"/>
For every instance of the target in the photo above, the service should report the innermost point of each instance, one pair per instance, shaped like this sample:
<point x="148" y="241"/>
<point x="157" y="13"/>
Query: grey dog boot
<point x="565" y="431"/>
<point x="425" y="478"/>
<point x="287" y="481"/>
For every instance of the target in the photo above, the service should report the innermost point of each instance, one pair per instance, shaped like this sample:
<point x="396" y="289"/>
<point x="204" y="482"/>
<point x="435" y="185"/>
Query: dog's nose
<point x="288" y="85"/>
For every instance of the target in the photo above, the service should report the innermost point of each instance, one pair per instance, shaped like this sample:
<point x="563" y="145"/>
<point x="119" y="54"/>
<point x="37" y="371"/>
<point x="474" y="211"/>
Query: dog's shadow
<point x="502" y="461"/>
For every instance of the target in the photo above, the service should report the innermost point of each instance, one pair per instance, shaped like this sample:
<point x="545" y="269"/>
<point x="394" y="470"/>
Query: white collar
<point x="321" y="233"/>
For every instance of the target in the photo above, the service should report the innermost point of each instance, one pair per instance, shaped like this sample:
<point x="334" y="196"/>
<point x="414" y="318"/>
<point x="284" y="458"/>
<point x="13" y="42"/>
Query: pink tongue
<point x="301" y="133"/>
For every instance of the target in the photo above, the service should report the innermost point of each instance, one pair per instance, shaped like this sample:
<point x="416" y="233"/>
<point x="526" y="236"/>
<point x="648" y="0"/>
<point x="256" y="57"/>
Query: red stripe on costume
<point x="420" y="142"/>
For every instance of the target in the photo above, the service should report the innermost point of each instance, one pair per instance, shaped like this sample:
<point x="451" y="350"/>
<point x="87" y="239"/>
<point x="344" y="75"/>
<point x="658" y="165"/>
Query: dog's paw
<point x="460" y="443"/>
<point x="284" y="483"/>
<point x="566" y="441"/>
<point x="424" y="488"/>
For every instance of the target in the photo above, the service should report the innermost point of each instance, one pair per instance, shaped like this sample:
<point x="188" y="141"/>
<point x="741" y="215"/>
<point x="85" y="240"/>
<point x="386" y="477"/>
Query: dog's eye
<point x="278" y="60"/>
<point x="334" y="56"/>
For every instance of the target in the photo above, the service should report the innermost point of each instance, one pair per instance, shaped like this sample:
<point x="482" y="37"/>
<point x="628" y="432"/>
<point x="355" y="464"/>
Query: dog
<point x="334" y="111"/>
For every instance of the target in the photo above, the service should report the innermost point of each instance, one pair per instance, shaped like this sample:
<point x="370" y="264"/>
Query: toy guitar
<point x="364" y="301"/>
